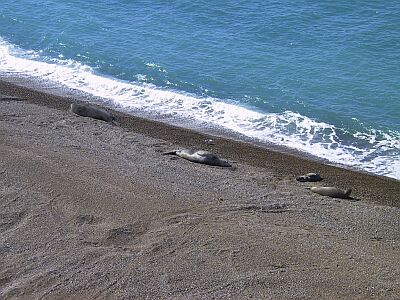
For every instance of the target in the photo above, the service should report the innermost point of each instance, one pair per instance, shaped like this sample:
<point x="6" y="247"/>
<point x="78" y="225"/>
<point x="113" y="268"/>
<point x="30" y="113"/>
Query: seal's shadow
<point x="351" y="199"/>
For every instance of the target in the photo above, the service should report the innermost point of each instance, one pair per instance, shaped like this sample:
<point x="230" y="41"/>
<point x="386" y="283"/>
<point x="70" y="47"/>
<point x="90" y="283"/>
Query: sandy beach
<point x="91" y="210"/>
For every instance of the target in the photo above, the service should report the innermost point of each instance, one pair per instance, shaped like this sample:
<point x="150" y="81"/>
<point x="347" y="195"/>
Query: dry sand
<point x="91" y="210"/>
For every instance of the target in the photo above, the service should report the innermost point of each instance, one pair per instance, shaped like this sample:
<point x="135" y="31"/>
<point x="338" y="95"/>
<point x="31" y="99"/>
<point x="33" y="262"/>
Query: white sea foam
<point x="287" y="129"/>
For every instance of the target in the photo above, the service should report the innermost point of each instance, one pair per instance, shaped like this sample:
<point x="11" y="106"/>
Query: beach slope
<point x="92" y="210"/>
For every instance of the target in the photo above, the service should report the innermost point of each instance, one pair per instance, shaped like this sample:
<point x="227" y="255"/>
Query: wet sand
<point x="92" y="210"/>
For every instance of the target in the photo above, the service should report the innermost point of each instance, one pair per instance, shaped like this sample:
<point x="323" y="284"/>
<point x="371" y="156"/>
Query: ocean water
<point x="322" y="77"/>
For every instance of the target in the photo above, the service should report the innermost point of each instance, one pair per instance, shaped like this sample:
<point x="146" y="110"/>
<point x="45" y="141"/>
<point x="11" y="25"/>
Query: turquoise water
<point x="321" y="78"/>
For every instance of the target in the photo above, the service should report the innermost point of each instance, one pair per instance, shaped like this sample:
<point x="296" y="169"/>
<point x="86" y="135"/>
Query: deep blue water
<point x="322" y="77"/>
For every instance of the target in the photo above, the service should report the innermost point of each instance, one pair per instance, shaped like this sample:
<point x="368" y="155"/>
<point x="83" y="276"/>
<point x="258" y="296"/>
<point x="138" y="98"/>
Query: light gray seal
<point x="309" y="177"/>
<point x="85" y="110"/>
<point x="201" y="157"/>
<point x="330" y="191"/>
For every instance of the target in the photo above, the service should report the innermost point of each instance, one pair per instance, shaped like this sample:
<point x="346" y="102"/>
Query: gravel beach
<point x="92" y="210"/>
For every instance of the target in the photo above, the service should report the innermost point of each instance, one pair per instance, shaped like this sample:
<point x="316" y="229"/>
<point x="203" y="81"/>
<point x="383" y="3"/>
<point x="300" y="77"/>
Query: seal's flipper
<point x="116" y="123"/>
<point x="170" y="152"/>
<point x="347" y="193"/>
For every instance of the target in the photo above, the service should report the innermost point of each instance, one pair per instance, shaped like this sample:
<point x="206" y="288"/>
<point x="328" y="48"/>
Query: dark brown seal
<point x="89" y="111"/>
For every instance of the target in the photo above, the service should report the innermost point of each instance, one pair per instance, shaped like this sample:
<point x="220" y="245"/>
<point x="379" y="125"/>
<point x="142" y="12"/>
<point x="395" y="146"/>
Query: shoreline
<point x="197" y="126"/>
<point x="285" y="163"/>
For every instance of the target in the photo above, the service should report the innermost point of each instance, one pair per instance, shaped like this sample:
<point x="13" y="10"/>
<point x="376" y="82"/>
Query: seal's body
<point x="309" y="177"/>
<point x="85" y="110"/>
<point x="201" y="157"/>
<point x="333" y="192"/>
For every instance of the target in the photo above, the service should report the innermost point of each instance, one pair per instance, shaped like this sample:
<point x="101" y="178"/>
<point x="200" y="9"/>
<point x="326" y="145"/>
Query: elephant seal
<point x="330" y="191"/>
<point x="309" y="177"/>
<point x="201" y="157"/>
<point x="85" y="110"/>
